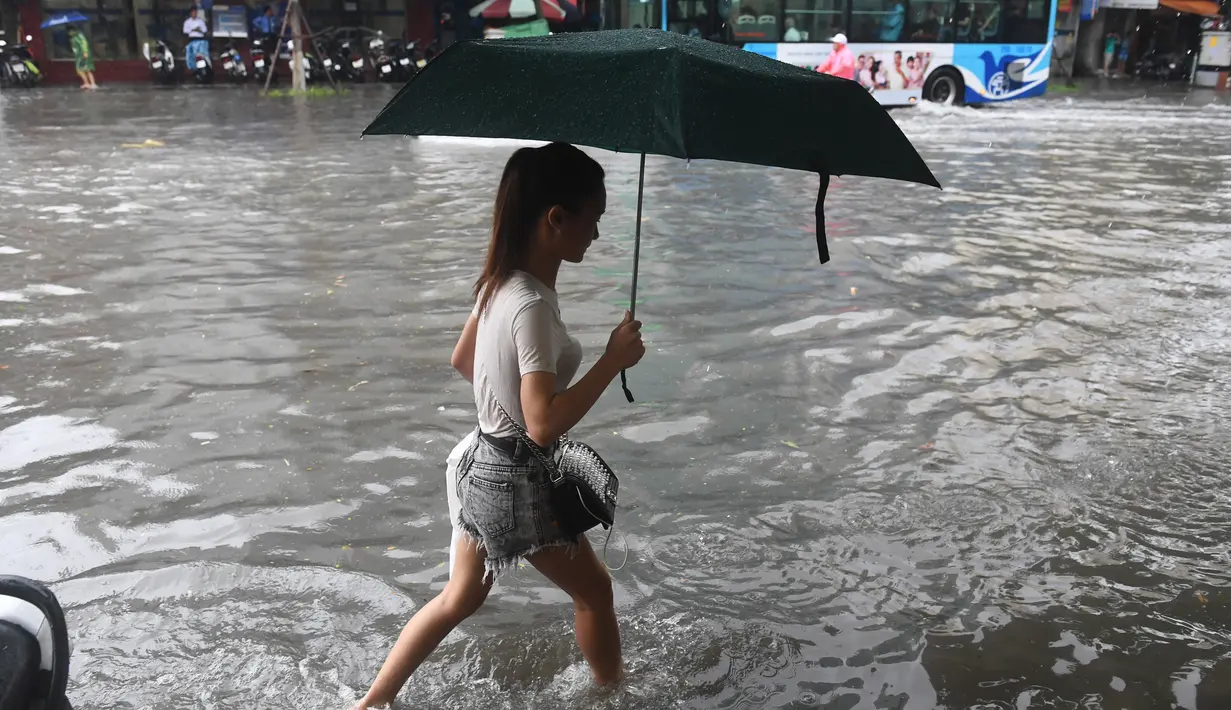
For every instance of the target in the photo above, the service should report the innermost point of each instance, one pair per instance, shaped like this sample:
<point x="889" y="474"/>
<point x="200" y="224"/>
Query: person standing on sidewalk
<point x="1109" y="52"/>
<point x="195" y="30"/>
<point x="83" y="58"/>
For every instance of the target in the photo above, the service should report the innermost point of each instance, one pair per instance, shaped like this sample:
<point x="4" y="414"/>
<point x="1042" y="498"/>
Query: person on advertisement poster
<point x="916" y="69"/>
<point x="841" y="61"/>
<point x="896" y="78"/>
<point x="863" y="72"/>
<point x="879" y="80"/>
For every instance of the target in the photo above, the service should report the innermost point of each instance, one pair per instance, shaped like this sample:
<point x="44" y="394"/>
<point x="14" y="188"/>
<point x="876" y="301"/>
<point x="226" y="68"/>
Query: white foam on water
<point x="7" y="250"/>
<point x="126" y="207"/>
<point x="204" y="435"/>
<point x="11" y="297"/>
<point x="660" y="431"/>
<point x="54" y="290"/>
<point x="104" y="473"/>
<point x="389" y="452"/>
<point x="41" y="438"/>
<point x="800" y="325"/>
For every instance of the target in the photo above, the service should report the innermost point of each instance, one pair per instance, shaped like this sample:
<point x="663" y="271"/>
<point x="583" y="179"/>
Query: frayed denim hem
<point x="494" y="566"/>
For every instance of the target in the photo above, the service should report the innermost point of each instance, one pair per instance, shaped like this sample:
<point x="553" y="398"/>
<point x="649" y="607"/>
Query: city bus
<point x="946" y="51"/>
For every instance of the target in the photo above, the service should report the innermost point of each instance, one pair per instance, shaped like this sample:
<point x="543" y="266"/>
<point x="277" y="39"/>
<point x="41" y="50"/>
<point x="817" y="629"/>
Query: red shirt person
<point x="841" y="61"/>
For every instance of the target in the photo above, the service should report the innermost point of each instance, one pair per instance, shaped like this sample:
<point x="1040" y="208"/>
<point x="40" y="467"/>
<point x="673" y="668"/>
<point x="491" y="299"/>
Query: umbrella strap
<point x="822" y="247"/>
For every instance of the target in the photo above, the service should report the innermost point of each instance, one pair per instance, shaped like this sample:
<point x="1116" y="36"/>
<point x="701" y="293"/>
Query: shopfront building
<point x="118" y="29"/>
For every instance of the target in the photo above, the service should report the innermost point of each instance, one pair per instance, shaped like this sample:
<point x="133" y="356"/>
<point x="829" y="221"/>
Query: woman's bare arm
<point x="550" y="414"/>
<point x="463" y="353"/>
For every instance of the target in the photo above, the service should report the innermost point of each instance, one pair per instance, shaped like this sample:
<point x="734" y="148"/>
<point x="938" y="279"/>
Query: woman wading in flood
<point x="519" y="355"/>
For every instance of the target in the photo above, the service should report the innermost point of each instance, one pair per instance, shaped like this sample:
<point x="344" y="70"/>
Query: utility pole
<point x="300" y="33"/>
<point x="299" y="82"/>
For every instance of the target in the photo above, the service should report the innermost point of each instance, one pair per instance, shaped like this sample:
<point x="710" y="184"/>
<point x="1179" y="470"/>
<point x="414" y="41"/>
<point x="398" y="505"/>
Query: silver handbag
<point x="583" y="486"/>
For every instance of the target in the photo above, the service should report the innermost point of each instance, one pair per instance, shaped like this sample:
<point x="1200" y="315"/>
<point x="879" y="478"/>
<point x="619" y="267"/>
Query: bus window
<point x="985" y="21"/>
<point x="877" y="20"/>
<point x="689" y="17"/>
<point x="812" y="20"/>
<point x="960" y="22"/>
<point x="1025" y="21"/>
<point x="638" y="15"/>
<point x="755" y="21"/>
<point x="926" y="21"/>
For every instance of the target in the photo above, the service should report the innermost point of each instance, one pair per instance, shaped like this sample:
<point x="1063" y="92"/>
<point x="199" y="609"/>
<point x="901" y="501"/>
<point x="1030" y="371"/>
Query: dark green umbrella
<point x="654" y="92"/>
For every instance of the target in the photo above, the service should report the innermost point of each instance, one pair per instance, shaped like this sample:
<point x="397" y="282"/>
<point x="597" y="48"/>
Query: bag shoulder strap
<point x="549" y="463"/>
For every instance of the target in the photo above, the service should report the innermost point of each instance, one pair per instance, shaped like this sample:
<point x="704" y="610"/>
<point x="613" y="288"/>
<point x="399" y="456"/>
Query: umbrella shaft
<point x="637" y="243"/>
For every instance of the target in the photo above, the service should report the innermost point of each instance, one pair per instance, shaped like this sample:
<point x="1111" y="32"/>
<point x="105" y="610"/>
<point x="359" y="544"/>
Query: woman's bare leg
<point x="585" y="579"/>
<point x="462" y="596"/>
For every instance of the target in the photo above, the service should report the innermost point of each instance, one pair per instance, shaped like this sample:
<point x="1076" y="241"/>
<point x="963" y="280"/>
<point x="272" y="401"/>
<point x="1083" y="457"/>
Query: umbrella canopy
<point x="67" y="18"/>
<point x="648" y="91"/>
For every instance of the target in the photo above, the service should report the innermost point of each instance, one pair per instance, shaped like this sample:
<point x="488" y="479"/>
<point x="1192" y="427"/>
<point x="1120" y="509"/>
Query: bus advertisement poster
<point x="894" y="74"/>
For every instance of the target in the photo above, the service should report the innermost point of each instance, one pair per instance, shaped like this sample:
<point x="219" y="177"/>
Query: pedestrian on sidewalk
<point x="1123" y="57"/>
<point x="1109" y="52"/>
<point x="195" y="30"/>
<point x="83" y="57"/>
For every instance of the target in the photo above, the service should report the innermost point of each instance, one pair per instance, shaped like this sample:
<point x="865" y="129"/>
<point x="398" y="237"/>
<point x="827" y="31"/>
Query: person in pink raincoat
<point x="841" y="61"/>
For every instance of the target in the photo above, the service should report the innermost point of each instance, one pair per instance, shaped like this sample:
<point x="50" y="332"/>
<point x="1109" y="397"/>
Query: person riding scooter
<point x="196" y="31"/>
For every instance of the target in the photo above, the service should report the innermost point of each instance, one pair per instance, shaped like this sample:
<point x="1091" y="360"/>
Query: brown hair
<point x="534" y="181"/>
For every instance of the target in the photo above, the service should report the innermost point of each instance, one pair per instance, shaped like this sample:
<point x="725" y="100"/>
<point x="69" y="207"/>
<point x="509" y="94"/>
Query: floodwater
<point x="977" y="461"/>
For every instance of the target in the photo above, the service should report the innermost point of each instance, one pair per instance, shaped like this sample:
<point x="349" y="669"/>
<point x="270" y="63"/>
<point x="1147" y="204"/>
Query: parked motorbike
<point x="162" y="62"/>
<point x="34" y="641"/>
<point x="202" y="68"/>
<point x="313" y="69"/>
<point x="233" y="66"/>
<point x="380" y="59"/>
<point x="342" y="61"/>
<point x="262" y="63"/>
<point x="425" y="55"/>
<point x="17" y="66"/>
<point x="1163" y="66"/>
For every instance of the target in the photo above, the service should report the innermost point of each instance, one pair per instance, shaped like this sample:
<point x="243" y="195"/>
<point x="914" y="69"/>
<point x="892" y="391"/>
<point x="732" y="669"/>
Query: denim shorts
<point x="506" y="503"/>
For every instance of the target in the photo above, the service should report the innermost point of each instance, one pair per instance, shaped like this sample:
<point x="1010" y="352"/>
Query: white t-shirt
<point x="519" y="333"/>
<point x="195" y="28"/>
<point x="896" y="80"/>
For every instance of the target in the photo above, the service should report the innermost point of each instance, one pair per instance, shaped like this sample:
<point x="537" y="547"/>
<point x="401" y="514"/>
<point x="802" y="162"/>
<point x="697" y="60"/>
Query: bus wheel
<point x="945" y="87"/>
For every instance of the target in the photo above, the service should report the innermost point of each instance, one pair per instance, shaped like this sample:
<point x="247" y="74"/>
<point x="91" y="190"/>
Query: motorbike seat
<point x="20" y="655"/>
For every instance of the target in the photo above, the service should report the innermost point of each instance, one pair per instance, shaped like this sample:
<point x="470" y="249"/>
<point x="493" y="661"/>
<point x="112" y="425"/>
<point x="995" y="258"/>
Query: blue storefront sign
<point x="1088" y="9"/>
<point x="230" y="21"/>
